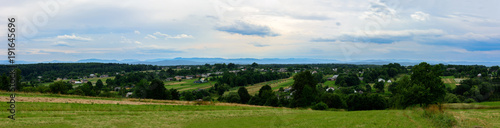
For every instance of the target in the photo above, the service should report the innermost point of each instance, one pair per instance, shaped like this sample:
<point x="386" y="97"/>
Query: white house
<point x="330" y="88"/>
<point x="381" y="80"/>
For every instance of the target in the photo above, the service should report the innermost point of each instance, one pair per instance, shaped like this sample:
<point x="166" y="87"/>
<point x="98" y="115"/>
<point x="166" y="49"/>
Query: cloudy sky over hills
<point x="445" y="30"/>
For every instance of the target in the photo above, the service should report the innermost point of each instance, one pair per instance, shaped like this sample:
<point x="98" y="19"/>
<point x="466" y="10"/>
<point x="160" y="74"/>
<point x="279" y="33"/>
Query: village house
<point x="330" y="88"/>
<point x="91" y="75"/>
<point x="179" y="77"/>
<point x="169" y="79"/>
<point x="104" y="76"/>
<point x="189" y="77"/>
<point x="334" y="77"/>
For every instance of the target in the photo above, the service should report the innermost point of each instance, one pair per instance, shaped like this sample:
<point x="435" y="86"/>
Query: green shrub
<point x="438" y="117"/>
<point x="320" y="106"/>
<point x="469" y="100"/>
<point x="451" y="98"/>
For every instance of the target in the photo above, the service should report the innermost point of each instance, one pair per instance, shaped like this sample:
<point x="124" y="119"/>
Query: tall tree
<point x="157" y="90"/>
<point x="303" y="86"/>
<point x="244" y="96"/>
<point x="423" y="87"/>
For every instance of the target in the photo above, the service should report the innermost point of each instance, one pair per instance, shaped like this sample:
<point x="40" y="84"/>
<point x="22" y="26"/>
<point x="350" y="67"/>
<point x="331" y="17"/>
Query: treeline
<point x="306" y="92"/>
<point x="51" y="71"/>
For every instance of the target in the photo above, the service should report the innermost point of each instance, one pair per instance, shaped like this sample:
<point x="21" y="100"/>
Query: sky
<point x="429" y="30"/>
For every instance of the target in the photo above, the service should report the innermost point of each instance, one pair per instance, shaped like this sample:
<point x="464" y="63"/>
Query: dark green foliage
<point x="368" y="88"/>
<point x="187" y="95"/>
<point x="347" y="80"/>
<point x="423" y="88"/>
<point x="303" y="89"/>
<point x="333" y="100"/>
<point x="99" y="85"/>
<point x="232" y="97"/>
<point x="366" y="101"/>
<point x="156" y="90"/>
<point x="60" y="87"/>
<point x="379" y="86"/>
<point x="320" y="106"/>
<point x="175" y="94"/>
<point x="451" y="98"/>
<point x="244" y="96"/>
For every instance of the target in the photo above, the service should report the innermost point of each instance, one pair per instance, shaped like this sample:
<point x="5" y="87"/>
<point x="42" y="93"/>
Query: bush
<point x="232" y="97"/>
<point x="333" y="100"/>
<point x="469" y="100"/>
<point x="451" y="98"/>
<point x="438" y="117"/>
<point x="320" y="106"/>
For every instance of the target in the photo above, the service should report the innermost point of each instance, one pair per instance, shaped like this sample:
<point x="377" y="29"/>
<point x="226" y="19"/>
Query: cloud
<point x="137" y="42"/>
<point x="383" y="36"/>
<point x="137" y="32"/>
<point x="243" y="28"/>
<point x="420" y="16"/>
<point x="181" y="36"/>
<point x="159" y="51"/>
<point x="61" y="43"/>
<point x="73" y="37"/>
<point x="150" y="37"/>
<point x="259" y="44"/>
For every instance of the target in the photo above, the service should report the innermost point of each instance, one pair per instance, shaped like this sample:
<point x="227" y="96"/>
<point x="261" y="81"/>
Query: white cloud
<point x="173" y="37"/>
<point x="420" y="16"/>
<point x="150" y="37"/>
<point x="137" y="32"/>
<point x="73" y="37"/>
<point x="137" y="42"/>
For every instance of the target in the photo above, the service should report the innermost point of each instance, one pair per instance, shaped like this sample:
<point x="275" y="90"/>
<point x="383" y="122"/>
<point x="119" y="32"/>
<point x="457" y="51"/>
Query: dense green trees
<point x="60" y="87"/>
<point x="347" y="80"/>
<point x="304" y="89"/>
<point x="244" y="96"/>
<point x="423" y="88"/>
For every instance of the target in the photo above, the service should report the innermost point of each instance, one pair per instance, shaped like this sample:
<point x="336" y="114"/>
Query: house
<point x="77" y="82"/>
<point x="129" y="94"/>
<point x="104" y="76"/>
<point x="170" y="79"/>
<point x="91" y="75"/>
<point x="202" y="80"/>
<point x="479" y="75"/>
<point x="117" y="89"/>
<point x="58" y="79"/>
<point x="84" y="80"/>
<point x="314" y="72"/>
<point x="189" y="77"/>
<point x="296" y="71"/>
<point x="360" y="78"/>
<point x="381" y="80"/>
<point x="334" y="77"/>
<point x="282" y="70"/>
<point x="179" y="77"/>
<point x="330" y="88"/>
<point x="389" y="81"/>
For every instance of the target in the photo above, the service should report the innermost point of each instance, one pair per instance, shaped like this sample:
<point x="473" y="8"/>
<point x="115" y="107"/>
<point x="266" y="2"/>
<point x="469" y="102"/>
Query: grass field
<point x="44" y="114"/>
<point x="449" y="81"/>
<point x="275" y="85"/>
<point x="111" y="115"/>
<point x="185" y="85"/>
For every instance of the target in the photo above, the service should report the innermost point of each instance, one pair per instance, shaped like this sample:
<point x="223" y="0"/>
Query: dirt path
<point x="131" y="101"/>
<point x="82" y="101"/>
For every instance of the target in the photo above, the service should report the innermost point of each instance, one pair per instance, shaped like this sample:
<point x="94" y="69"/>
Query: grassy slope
<point x="275" y="85"/>
<point x="111" y="115"/>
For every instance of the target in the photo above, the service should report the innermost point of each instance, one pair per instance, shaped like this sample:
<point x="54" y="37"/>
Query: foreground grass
<point x="111" y="115"/>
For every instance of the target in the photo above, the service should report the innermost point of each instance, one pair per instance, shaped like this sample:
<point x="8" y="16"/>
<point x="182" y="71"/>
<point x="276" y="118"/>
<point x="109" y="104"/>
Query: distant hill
<point x="201" y="61"/>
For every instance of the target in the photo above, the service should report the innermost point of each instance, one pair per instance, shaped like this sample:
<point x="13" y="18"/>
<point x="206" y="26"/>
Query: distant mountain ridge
<point x="201" y="61"/>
